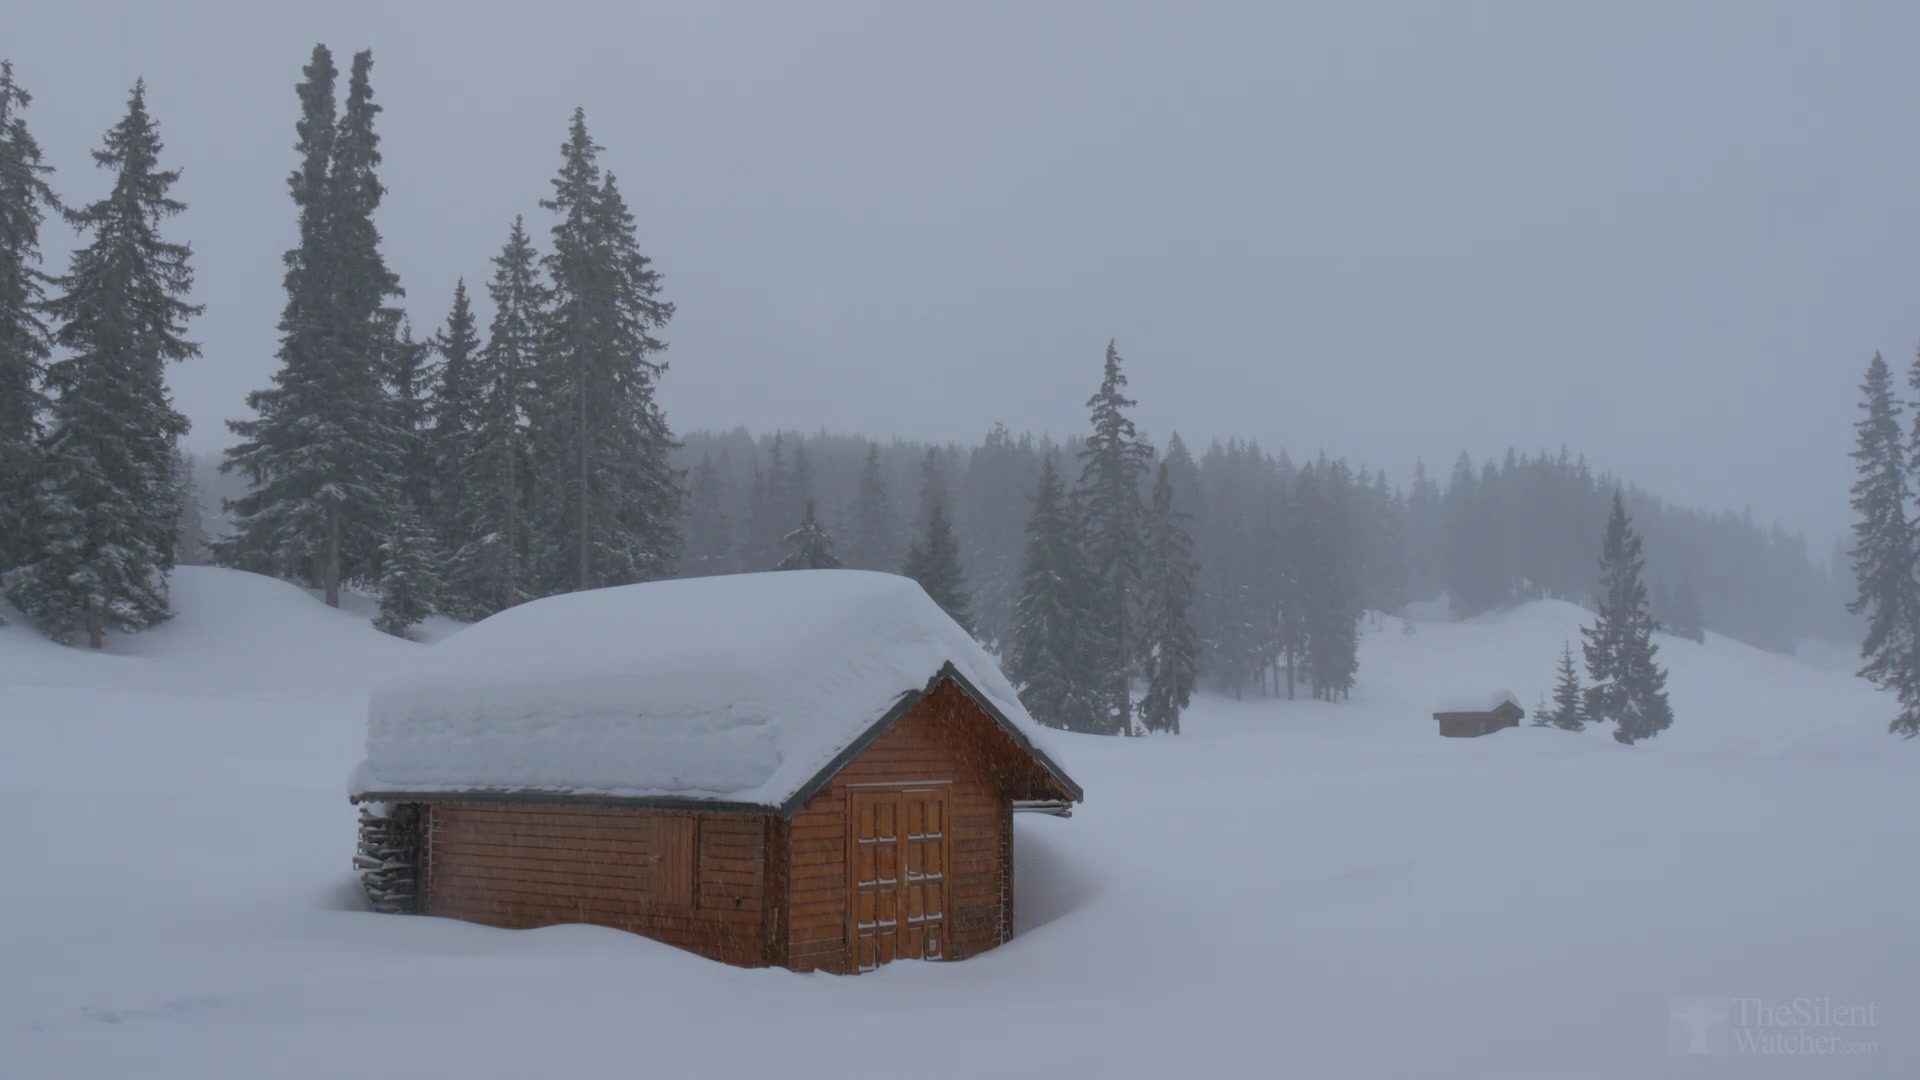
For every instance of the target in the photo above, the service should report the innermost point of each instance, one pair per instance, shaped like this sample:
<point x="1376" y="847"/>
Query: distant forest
<point x="1487" y="534"/>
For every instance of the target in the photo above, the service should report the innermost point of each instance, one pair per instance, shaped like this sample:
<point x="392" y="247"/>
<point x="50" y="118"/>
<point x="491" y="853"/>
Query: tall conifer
<point x="1045" y="656"/>
<point x="615" y="498"/>
<point x="24" y="200"/>
<point x="490" y="562"/>
<point x="1884" y="550"/>
<point x="1166" y="633"/>
<point x="1114" y="461"/>
<point x="108" y="499"/>
<point x="322" y="455"/>
<point x="1629" y="687"/>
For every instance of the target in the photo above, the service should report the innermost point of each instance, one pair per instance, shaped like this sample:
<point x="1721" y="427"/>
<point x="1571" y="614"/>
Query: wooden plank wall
<point x="524" y="866"/>
<point x="942" y="738"/>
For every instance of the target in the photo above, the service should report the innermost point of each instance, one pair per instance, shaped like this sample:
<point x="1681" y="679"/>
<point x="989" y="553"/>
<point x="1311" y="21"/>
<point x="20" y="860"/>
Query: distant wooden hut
<point x="812" y="769"/>
<point x="1468" y="718"/>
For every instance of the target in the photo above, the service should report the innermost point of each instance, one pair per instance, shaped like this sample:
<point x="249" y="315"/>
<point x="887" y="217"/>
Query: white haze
<point x="1668" y="236"/>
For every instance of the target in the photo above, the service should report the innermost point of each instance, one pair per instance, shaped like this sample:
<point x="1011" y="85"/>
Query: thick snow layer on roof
<point x="733" y="689"/>
<point x="1476" y="702"/>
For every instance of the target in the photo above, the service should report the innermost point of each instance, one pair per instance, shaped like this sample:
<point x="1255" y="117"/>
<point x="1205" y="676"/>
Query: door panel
<point x="898" y="875"/>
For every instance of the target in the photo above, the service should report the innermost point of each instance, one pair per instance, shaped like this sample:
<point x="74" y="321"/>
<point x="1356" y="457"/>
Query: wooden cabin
<point x="815" y="770"/>
<point x="1472" y="718"/>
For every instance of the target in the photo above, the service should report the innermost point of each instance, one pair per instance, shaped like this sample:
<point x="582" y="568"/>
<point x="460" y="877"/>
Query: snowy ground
<point x="1288" y="889"/>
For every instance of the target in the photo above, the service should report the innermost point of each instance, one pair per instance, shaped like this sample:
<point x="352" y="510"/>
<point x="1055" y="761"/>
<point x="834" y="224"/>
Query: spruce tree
<point x="1113" y="461"/>
<point x="1045" y="656"/>
<point x="1542" y="716"/>
<point x="410" y="379"/>
<point x="709" y="537"/>
<point x="410" y="582"/>
<point x="490" y="562"/>
<point x="934" y="562"/>
<point x="457" y="477"/>
<point x="322" y="457"/>
<point x="873" y="526"/>
<point x="614" y="497"/>
<point x="809" y="547"/>
<point x="1329" y="599"/>
<point x="24" y="200"/>
<point x="108" y="499"/>
<point x="1883" y="551"/>
<point x="1629" y="687"/>
<point x="1568" y="699"/>
<point x="1170" y="647"/>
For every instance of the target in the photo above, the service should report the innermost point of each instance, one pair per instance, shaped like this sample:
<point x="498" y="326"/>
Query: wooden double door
<point x="900" y="851"/>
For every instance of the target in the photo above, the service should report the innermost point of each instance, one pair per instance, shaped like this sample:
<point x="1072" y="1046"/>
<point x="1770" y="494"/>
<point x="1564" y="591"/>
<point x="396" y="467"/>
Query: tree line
<point x="467" y="469"/>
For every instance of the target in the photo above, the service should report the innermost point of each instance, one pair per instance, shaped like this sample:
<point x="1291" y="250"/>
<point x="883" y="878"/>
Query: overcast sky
<point x="1665" y="235"/>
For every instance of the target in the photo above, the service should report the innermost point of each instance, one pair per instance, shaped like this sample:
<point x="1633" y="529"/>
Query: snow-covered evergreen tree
<point x="709" y="533"/>
<point x="1629" y="687"/>
<point x="934" y="562"/>
<point x="1167" y="595"/>
<point x="490" y="563"/>
<point x="1884" y="550"/>
<point x="1045" y="658"/>
<point x="611" y="500"/>
<point x="1329" y="599"/>
<point x="410" y="582"/>
<point x="1114" y="462"/>
<point x="1568" y="699"/>
<point x="457" y="476"/>
<point x="809" y="547"/>
<point x="25" y="198"/>
<point x="321" y="455"/>
<point x="107" y="502"/>
<point x="873" y="540"/>
<point x="410" y="388"/>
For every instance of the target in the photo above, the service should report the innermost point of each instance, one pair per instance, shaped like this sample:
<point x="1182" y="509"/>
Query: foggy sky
<point x="1669" y="236"/>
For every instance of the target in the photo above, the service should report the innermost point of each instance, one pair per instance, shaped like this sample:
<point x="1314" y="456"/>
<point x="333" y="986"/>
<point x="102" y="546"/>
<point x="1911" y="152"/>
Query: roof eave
<point x="525" y="797"/>
<point x="907" y="701"/>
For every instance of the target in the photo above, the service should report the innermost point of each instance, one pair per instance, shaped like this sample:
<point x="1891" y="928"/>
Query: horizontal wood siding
<point x="944" y="738"/>
<point x="525" y="866"/>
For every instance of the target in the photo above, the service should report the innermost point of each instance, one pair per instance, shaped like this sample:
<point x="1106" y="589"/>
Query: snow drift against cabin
<point x="733" y="689"/>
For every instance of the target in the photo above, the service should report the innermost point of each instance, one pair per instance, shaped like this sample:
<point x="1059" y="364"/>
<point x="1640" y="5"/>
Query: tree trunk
<point x="96" y="627"/>
<point x="1290" y="673"/>
<point x="332" y="584"/>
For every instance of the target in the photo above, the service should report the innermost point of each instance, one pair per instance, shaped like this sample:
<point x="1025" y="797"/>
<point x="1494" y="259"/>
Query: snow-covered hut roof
<point x="745" y="691"/>
<point x="1477" y="702"/>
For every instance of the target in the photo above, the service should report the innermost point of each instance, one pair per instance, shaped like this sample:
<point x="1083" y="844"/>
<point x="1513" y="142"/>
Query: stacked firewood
<point x="388" y="858"/>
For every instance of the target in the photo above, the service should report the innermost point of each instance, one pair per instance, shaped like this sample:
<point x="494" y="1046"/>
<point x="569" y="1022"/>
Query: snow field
<point x="1295" y="889"/>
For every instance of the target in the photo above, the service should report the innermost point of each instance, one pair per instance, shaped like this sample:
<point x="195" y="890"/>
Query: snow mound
<point x="734" y="689"/>
<point x="231" y="631"/>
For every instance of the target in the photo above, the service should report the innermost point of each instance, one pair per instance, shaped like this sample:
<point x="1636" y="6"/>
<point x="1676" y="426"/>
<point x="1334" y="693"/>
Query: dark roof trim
<point x="787" y="809"/>
<point x="908" y="701"/>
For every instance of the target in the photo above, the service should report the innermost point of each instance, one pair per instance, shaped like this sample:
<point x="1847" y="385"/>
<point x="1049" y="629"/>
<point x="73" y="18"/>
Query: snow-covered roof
<point x="1477" y="702"/>
<point x="743" y="690"/>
